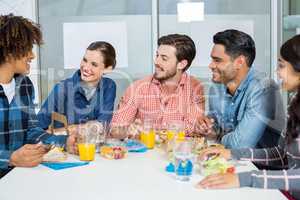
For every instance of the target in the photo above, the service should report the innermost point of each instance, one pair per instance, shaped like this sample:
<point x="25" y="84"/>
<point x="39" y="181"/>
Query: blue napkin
<point x="135" y="146"/>
<point x="63" y="165"/>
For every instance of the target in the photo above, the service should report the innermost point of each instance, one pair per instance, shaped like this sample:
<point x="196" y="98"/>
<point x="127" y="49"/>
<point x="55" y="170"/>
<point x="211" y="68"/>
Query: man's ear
<point x="107" y="70"/>
<point x="240" y="61"/>
<point x="182" y="64"/>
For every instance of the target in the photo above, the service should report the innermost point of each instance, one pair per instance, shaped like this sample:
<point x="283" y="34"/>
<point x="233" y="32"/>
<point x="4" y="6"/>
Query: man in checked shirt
<point x="168" y="96"/>
<point x="288" y="71"/>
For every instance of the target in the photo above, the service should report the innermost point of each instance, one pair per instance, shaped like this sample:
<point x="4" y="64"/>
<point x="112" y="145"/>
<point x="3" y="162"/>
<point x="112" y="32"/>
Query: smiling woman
<point x="96" y="63"/>
<point x="87" y="95"/>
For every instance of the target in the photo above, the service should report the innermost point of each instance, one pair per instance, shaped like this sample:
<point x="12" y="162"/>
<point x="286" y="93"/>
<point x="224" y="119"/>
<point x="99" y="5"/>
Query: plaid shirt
<point x="144" y="99"/>
<point x="18" y="122"/>
<point x="281" y="156"/>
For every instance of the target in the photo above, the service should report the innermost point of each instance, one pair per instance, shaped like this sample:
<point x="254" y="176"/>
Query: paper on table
<point x="70" y="162"/>
<point x="135" y="146"/>
<point x="63" y="165"/>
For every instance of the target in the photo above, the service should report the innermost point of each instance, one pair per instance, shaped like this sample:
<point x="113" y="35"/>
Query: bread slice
<point x="56" y="154"/>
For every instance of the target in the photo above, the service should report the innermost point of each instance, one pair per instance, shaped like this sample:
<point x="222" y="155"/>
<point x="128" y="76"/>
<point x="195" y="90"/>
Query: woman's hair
<point x="107" y="50"/>
<point x="17" y="36"/>
<point x="290" y="51"/>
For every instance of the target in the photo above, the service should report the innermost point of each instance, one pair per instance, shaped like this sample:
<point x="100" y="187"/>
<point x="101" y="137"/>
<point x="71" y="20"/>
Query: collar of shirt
<point x="76" y="82"/>
<point x="18" y="80"/>
<point x="9" y="90"/>
<point x="243" y="85"/>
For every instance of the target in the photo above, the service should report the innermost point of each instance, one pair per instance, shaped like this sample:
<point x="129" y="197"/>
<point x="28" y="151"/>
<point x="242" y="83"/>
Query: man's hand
<point x="219" y="181"/>
<point x="221" y="151"/>
<point x="119" y="132"/>
<point x="29" y="155"/>
<point x="135" y="129"/>
<point x="131" y="131"/>
<point x="204" y="126"/>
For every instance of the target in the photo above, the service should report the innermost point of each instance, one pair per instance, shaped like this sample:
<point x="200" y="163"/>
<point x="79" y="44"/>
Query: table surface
<point x="138" y="176"/>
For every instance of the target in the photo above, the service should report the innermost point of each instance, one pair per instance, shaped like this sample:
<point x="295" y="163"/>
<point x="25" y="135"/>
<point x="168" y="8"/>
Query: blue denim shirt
<point x="252" y="117"/>
<point x="68" y="98"/>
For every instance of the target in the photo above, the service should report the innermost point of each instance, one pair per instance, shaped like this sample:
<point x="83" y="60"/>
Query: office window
<point x="136" y="15"/>
<point x="253" y="17"/>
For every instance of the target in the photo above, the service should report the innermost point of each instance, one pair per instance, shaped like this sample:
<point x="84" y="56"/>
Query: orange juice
<point x="181" y="136"/>
<point x="148" y="139"/>
<point x="86" y="151"/>
<point x="170" y="135"/>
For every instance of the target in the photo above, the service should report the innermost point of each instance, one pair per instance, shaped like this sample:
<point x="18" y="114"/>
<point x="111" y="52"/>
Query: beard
<point x="224" y="76"/>
<point x="164" y="75"/>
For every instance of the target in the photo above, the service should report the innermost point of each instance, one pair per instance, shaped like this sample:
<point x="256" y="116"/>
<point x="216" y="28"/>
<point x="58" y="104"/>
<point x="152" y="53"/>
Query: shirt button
<point x="231" y="120"/>
<point x="232" y="104"/>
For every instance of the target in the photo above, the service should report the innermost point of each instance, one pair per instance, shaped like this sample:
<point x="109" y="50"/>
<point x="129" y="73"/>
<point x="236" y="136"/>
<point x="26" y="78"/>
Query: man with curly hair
<point x="22" y="142"/>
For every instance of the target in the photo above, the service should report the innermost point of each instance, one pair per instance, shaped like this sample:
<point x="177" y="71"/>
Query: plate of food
<point x="215" y="165"/>
<point x="113" y="152"/>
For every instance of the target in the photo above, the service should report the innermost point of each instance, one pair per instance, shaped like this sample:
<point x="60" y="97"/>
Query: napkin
<point x="135" y="146"/>
<point x="63" y="165"/>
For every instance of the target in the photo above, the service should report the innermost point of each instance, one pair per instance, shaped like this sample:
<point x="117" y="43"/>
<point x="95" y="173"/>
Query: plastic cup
<point x="100" y="129"/>
<point x="148" y="138"/>
<point x="183" y="159"/>
<point x="87" y="151"/>
<point x="87" y="142"/>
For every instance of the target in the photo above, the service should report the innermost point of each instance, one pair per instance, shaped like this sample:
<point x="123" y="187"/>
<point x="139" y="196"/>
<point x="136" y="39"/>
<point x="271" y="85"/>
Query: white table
<point x="138" y="177"/>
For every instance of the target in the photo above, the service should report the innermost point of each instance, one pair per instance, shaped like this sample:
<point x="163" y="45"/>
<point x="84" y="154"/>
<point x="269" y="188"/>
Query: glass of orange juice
<point x="148" y="134"/>
<point x="86" y="151"/>
<point x="86" y="143"/>
<point x="176" y="130"/>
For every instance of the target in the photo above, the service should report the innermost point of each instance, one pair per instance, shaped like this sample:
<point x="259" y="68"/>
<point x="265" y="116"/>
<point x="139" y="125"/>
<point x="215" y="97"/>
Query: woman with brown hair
<point x="87" y="95"/>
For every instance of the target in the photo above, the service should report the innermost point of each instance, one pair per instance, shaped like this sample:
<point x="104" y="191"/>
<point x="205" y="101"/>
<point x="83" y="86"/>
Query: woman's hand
<point x="72" y="144"/>
<point x="219" y="181"/>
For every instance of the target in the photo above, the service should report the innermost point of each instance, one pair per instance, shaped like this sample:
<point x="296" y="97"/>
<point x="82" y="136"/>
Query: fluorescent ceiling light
<point x="190" y="11"/>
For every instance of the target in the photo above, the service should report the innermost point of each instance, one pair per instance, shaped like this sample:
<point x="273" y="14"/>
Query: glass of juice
<point x="147" y="136"/>
<point x="87" y="139"/>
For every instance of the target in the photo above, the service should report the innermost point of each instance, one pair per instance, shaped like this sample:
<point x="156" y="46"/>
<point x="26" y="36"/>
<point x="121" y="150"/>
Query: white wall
<point x="25" y="8"/>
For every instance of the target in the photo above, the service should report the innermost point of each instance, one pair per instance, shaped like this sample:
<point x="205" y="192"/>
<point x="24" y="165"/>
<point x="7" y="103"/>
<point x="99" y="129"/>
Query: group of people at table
<point x="245" y="108"/>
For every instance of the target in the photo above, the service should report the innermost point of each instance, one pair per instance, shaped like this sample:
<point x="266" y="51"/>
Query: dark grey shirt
<point x="284" y="155"/>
